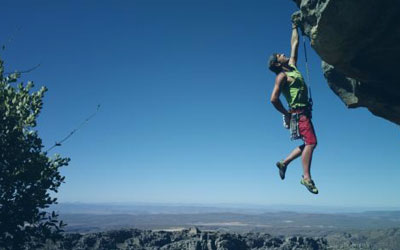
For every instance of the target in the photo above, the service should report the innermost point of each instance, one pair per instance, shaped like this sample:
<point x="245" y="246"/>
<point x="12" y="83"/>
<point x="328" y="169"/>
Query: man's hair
<point x="272" y="61"/>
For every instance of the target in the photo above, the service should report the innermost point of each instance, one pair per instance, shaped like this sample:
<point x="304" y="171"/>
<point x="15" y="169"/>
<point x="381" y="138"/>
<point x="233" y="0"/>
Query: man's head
<point x="276" y="61"/>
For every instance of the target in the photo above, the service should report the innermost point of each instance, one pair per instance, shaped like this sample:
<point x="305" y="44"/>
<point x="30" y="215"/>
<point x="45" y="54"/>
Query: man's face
<point x="281" y="58"/>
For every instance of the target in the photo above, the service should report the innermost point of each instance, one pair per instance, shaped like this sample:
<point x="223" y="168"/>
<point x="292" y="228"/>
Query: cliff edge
<point x="358" y="42"/>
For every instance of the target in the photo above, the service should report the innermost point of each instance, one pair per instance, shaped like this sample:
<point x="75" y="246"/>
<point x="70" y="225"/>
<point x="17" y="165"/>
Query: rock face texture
<point x="358" y="41"/>
<point x="195" y="239"/>
<point x="192" y="239"/>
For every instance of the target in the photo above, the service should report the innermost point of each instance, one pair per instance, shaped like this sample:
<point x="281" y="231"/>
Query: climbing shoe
<point x="309" y="185"/>
<point x="282" y="169"/>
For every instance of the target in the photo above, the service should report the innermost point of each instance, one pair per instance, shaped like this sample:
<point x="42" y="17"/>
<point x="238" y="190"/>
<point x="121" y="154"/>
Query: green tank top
<point x="296" y="93"/>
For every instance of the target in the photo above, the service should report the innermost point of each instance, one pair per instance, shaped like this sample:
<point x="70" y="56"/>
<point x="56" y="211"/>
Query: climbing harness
<point x="295" y="115"/>
<point x="294" y="126"/>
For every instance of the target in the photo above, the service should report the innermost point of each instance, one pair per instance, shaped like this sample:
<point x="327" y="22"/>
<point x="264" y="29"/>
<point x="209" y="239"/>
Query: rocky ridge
<point x="358" y="43"/>
<point x="195" y="239"/>
<point x="188" y="239"/>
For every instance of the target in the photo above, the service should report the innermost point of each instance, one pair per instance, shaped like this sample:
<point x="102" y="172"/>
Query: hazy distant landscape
<point x="305" y="221"/>
<point x="228" y="226"/>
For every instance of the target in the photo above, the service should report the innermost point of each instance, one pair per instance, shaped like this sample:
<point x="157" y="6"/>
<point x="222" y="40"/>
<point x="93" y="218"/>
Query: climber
<point x="291" y="84"/>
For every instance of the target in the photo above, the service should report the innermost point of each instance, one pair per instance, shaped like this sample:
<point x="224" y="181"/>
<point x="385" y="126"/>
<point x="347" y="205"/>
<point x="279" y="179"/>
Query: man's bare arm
<point x="279" y="81"/>
<point x="294" y="45"/>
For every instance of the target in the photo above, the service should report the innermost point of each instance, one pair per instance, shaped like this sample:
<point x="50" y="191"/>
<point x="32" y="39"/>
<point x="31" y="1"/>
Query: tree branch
<point x="59" y="143"/>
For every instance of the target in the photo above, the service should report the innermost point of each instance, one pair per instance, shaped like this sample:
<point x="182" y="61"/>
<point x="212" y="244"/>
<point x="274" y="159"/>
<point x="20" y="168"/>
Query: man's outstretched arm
<point x="279" y="81"/>
<point x="294" y="43"/>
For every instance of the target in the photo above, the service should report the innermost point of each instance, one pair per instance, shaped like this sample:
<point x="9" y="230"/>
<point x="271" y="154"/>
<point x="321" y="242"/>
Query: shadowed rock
<point x="358" y="43"/>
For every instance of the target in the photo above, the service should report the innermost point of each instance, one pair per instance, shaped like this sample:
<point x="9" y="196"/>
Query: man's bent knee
<point x="313" y="146"/>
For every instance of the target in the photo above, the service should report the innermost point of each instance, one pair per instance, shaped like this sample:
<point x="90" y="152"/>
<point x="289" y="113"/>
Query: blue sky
<point x="184" y="115"/>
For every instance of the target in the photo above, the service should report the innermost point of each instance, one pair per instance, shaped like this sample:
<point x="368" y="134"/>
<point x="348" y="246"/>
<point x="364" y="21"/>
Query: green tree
<point x="28" y="177"/>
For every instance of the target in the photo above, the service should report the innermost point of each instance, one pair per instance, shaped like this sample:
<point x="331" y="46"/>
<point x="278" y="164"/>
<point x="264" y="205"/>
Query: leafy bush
<point x="28" y="176"/>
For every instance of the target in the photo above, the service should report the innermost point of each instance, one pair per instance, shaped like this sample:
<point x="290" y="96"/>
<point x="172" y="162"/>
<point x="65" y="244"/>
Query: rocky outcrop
<point x="195" y="239"/>
<point x="192" y="239"/>
<point x="358" y="42"/>
<point x="386" y="239"/>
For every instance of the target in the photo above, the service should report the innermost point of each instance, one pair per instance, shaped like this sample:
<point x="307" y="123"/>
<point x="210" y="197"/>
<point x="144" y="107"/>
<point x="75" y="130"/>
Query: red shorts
<point x="306" y="130"/>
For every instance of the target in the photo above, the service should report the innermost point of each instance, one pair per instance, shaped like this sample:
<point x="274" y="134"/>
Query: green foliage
<point x="27" y="175"/>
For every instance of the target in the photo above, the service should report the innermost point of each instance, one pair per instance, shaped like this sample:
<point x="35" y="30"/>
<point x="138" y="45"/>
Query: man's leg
<point x="293" y="155"/>
<point x="310" y="140"/>
<point x="306" y="160"/>
<point x="282" y="165"/>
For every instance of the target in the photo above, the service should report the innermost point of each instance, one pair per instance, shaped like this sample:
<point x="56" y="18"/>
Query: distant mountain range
<point x="178" y="208"/>
<point x="86" y="218"/>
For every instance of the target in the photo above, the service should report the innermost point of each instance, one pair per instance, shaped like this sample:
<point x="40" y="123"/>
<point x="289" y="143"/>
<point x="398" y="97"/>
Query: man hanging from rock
<point x="291" y="84"/>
